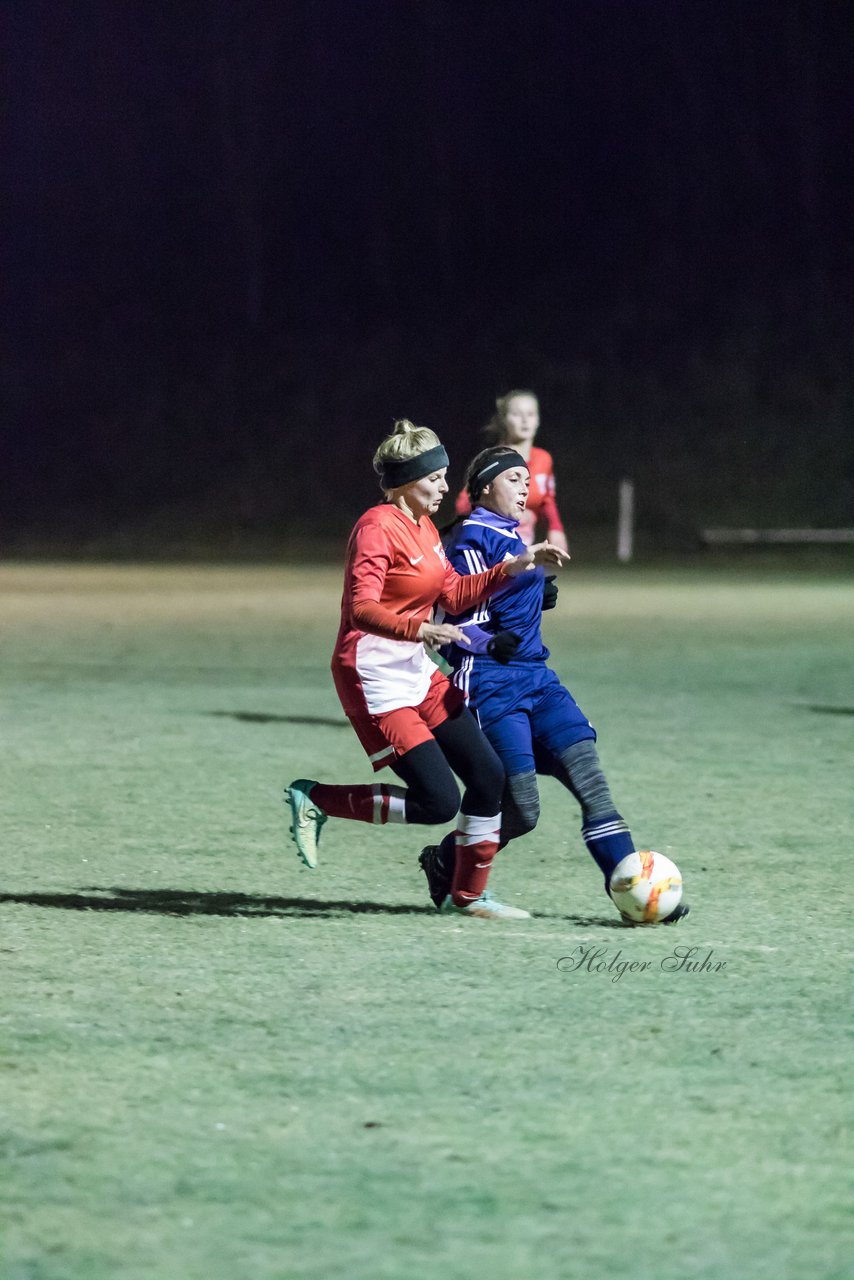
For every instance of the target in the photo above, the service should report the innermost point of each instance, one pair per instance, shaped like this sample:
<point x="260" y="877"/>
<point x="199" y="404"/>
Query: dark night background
<point x="241" y="238"/>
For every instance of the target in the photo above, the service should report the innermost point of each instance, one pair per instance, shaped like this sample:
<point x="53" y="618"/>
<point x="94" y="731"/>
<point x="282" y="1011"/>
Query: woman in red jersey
<point x="515" y="423"/>
<point x="405" y="712"/>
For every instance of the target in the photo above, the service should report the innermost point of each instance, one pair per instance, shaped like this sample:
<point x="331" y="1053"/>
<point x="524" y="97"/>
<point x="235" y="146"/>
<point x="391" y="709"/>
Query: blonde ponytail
<point x="406" y="441"/>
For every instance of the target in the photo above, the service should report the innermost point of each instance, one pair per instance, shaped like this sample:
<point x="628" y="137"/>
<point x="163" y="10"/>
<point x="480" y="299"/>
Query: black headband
<point x="405" y="470"/>
<point x="493" y="468"/>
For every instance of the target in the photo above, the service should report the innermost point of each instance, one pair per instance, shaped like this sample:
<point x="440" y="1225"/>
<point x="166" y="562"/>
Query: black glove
<point x="502" y="646"/>
<point x="549" y="592"/>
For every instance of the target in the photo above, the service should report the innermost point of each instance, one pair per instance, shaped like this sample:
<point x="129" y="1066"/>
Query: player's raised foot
<point x="486" y="908"/>
<point x="678" y="913"/>
<point x="439" y="875"/>
<point x="306" y="819"/>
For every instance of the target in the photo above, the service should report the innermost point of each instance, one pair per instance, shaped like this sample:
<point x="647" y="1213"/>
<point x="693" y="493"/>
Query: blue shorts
<point x="526" y="713"/>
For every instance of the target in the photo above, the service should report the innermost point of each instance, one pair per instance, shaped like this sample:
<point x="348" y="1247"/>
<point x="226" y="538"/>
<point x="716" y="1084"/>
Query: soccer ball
<point x="646" y="887"/>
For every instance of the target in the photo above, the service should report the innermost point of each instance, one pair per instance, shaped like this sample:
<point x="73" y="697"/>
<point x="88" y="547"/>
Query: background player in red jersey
<point x="515" y="423"/>
<point x="405" y="712"/>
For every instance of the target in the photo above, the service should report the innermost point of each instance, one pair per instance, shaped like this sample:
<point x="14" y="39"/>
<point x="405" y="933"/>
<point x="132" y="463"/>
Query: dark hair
<point x="474" y="487"/>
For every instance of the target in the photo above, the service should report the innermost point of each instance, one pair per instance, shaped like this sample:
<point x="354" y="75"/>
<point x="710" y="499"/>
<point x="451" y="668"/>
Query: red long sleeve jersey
<point x="542" y="503"/>
<point x="395" y="573"/>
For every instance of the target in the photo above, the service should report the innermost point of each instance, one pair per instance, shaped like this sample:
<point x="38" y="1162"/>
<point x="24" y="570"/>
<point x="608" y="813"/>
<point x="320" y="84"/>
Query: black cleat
<point x="439" y="876"/>
<point x="678" y="913"/>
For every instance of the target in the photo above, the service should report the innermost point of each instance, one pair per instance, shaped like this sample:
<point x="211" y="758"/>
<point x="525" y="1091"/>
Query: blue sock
<point x="609" y="840"/>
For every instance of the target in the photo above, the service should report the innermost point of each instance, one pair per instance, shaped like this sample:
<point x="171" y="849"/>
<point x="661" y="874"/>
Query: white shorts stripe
<point x="462" y="675"/>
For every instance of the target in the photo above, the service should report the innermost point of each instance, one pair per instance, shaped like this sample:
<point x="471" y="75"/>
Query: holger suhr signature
<point x="593" y="959"/>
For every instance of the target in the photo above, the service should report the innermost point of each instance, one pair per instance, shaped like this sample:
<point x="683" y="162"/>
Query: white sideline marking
<point x="719" y="536"/>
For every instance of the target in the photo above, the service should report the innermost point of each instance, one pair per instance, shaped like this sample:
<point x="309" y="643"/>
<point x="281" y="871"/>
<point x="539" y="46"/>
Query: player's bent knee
<point x="521" y="806"/>
<point x="445" y="813"/>
<point x="440" y="806"/>
<point x="523" y="821"/>
<point x="529" y="819"/>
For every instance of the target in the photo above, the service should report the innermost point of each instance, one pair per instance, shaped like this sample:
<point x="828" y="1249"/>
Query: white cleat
<point x="306" y="819"/>
<point x="486" y="908"/>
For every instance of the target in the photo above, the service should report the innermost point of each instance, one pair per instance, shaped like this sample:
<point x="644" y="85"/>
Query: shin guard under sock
<point x="476" y="841"/>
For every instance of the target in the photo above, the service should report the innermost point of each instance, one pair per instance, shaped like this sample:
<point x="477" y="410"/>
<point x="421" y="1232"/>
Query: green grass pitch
<point x="215" y="1063"/>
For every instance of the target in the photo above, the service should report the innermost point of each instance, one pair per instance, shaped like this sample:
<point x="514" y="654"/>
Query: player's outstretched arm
<point x="539" y="553"/>
<point x="435" y="634"/>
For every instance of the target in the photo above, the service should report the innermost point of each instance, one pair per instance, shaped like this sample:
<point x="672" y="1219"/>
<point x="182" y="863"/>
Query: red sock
<point x="376" y="803"/>
<point x="476" y="842"/>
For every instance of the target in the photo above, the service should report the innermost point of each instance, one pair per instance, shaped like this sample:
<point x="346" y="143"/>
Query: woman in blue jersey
<point x="532" y="721"/>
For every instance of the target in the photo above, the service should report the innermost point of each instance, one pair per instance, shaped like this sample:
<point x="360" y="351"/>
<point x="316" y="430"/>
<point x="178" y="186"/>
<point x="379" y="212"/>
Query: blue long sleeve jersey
<point x="482" y="540"/>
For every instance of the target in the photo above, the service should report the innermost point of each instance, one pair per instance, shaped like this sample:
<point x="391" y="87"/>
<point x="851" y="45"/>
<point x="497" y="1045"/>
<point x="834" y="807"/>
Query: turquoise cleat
<point x="486" y="907"/>
<point x="306" y="819"/>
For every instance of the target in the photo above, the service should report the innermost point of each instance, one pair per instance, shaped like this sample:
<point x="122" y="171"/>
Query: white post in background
<point x="626" y="521"/>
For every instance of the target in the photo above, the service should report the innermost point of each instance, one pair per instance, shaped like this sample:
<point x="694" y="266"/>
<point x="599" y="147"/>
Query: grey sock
<point x="578" y="768"/>
<point x="520" y="809"/>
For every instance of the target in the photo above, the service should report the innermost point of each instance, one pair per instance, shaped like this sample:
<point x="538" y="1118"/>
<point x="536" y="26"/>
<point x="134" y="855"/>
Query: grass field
<point x="215" y="1063"/>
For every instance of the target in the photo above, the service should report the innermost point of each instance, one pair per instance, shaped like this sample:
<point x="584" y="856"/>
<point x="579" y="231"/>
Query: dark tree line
<point x="241" y="238"/>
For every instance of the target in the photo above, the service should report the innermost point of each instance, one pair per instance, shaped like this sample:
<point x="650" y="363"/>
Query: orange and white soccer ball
<point x="646" y="886"/>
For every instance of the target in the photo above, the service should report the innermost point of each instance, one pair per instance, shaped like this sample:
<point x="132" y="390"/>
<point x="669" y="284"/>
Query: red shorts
<point x="393" y="733"/>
